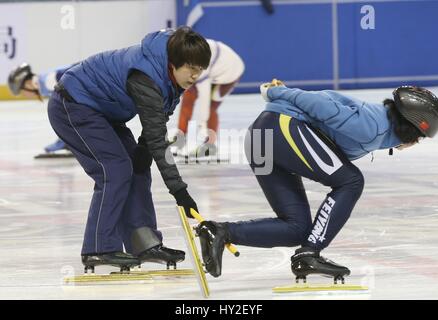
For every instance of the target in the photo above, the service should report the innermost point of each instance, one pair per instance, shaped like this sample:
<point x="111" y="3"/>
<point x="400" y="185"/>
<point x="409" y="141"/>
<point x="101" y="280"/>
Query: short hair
<point x="404" y="130"/>
<point x="187" y="46"/>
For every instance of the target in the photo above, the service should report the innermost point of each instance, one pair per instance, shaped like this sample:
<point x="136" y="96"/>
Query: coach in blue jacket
<point x="89" y="109"/>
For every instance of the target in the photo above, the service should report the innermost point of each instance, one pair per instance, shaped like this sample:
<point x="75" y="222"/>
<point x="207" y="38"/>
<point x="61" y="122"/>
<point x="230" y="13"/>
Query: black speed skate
<point x="307" y="261"/>
<point x="117" y="259"/>
<point x="213" y="236"/>
<point x="163" y="255"/>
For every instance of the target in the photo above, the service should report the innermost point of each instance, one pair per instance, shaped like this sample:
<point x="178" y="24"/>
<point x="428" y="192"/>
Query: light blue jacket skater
<point x="355" y="126"/>
<point x="315" y="135"/>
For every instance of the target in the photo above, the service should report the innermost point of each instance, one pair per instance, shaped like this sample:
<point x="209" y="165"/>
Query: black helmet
<point x="419" y="106"/>
<point x="18" y="76"/>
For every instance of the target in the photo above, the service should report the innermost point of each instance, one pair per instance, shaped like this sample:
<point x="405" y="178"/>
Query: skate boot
<point x="213" y="236"/>
<point x="117" y="259"/>
<point x="307" y="261"/>
<point x="163" y="255"/>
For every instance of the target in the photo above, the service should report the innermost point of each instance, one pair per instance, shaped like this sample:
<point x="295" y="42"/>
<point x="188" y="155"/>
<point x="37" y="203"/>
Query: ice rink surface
<point x="390" y="242"/>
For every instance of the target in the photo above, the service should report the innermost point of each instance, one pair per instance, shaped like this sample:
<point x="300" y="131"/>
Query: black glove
<point x="142" y="159"/>
<point x="183" y="199"/>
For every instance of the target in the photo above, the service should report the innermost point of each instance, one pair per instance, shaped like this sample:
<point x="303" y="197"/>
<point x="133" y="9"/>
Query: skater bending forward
<point x="316" y="135"/>
<point x="23" y="82"/>
<point x="88" y="110"/>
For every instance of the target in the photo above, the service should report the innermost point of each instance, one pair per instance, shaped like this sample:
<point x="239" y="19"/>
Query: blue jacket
<point x="100" y="81"/>
<point x="356" y="127"/>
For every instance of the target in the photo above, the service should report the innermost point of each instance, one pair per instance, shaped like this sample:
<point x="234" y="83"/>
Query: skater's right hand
<point x="265" y="87"/>
<point x="277" y="83"/>
<point x="183" y="199"/>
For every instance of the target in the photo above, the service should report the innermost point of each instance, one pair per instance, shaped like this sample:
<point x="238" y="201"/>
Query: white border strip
<point x="343" y="81"/>
<point x="296" y="2"/>
<point x="390" y="79"/>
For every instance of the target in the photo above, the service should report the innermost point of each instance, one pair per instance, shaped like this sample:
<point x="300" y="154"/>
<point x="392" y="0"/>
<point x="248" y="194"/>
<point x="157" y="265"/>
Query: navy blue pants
<point x="298" y="151"/>
<point x="122" y="200"/>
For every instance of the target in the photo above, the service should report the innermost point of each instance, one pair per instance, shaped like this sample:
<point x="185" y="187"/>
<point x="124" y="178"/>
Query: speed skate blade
<point x="133" y="275"/>
<point x="54" y="155"/>
<point x="92" y="278"/>
<point x="194" y="253"/>
<point x="319" y="288"/>
<point x="160" y="273"/>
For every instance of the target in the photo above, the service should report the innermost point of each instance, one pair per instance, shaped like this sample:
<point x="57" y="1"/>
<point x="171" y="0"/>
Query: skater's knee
<point x="358" y="182"/>
<point x="354" y="181"/>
